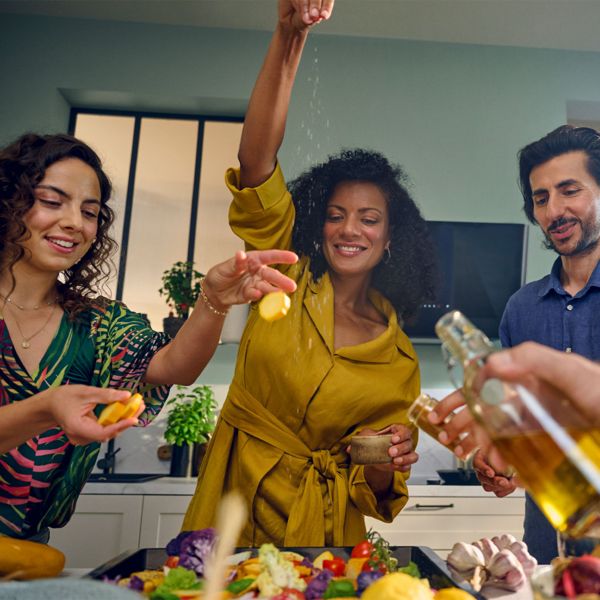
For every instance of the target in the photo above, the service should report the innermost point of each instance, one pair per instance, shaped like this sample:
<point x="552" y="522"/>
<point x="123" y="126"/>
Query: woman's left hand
<point x="401" y="452"/>
<point x="247" y="277"/>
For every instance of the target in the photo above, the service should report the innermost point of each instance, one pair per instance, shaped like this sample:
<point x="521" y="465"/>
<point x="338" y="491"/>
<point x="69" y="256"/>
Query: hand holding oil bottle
<point x="553" y="446"/>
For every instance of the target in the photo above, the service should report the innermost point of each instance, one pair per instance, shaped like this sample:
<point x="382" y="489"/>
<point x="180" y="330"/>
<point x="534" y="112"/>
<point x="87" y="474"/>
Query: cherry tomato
<point x="172" y="561"/>
<point x="336" y="565"/>
<point x="362" y="550"/>
<point x="373" y="565"/>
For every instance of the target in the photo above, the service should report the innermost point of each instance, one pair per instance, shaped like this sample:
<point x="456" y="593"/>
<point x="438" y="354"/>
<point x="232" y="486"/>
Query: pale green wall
<point x="453" y="115"/>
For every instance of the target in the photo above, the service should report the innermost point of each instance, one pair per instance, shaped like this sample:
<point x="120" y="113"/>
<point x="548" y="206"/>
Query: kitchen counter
<point x="182" y="486"/>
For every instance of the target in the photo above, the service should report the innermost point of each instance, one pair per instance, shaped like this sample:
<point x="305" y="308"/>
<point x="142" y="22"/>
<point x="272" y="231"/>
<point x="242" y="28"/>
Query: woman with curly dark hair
<point x="56" y="330"/>
<point x="338" y="364"/>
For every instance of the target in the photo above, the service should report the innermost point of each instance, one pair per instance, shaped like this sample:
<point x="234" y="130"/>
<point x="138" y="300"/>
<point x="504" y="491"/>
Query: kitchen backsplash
<point x="138" y="447"/>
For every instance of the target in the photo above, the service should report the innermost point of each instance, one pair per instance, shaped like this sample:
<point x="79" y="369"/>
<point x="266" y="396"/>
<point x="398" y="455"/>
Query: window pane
<point x="161" y="211"/>
<point x="111" y="137"/>
<point x="214" y="240"/>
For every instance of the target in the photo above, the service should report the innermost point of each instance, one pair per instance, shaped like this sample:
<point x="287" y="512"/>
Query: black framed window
<point x="169" y="197"/>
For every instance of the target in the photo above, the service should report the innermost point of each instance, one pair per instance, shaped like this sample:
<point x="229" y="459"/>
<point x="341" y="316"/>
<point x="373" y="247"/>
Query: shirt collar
<point x="553" y="282"/>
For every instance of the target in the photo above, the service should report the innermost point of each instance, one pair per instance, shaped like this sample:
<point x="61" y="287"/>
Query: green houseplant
<point x="190" y="421"/>
<point x="181" y="286"/>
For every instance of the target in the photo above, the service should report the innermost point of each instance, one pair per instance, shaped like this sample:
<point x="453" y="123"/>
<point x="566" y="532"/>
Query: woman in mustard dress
<point x="339" y="363"/>
<point x="55" y="330"/>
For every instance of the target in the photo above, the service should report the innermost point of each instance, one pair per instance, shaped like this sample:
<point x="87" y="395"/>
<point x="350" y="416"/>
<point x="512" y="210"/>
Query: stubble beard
<point x="590" y="236"/>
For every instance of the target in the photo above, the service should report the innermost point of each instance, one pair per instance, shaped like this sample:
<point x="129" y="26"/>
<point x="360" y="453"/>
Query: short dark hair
<point x="566" y="138"/>
<point x="409" y="277"/>
<point x="22" y="166"/>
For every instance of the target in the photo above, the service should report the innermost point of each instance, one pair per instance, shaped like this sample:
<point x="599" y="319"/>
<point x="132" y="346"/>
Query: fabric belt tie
<point x="247" y="414"/>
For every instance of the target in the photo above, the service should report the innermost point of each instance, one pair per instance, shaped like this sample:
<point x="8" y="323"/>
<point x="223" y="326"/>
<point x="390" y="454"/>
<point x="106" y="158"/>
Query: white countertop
<point x="183" y="486"/>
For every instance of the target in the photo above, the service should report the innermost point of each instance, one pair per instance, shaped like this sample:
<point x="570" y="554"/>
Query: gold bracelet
<point x="216" y="311"/>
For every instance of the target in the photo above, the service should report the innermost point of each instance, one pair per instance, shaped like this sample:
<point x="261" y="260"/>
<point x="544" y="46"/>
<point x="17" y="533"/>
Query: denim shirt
<point x="543" y="312"/>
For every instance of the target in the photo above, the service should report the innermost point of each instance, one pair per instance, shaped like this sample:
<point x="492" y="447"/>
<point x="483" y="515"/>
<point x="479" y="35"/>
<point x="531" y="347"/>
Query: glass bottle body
<point x="417" y="415"/>
<point x="552" y="447"/>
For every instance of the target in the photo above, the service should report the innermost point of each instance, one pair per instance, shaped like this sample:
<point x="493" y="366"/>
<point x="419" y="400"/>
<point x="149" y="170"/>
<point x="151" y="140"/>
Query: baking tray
<point x="431" y="566"/>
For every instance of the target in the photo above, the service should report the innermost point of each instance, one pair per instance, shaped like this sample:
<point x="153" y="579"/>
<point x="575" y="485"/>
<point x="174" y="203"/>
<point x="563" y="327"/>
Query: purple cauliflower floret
<point x="317" y="585"/>
<point x="174" y="546"/>
<point x="194" y="549"/>
<point x="135" y="583"/>
<point x="364" y="580"/>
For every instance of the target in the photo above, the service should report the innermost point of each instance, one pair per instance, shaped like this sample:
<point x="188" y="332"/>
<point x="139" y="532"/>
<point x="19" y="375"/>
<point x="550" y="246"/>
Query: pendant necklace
<point x="25" y="341"/>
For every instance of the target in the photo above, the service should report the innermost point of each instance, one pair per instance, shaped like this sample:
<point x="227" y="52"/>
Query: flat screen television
<point x="481" y="266"/>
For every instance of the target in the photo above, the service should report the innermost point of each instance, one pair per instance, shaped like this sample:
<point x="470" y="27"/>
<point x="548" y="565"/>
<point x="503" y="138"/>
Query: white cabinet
<point x="102" y="527"/>
<point x="161" y="519"/>
<point x="440" y="521"/>
<point x="105" y="525"/>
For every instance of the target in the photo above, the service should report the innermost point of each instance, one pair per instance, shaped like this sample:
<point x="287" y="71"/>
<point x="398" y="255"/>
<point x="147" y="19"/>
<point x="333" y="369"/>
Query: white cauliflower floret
<point x="276" y="573"/>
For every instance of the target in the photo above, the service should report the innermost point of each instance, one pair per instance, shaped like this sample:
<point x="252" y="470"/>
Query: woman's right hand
<point x="302" y="14"/>
<point x="71" y="408"/>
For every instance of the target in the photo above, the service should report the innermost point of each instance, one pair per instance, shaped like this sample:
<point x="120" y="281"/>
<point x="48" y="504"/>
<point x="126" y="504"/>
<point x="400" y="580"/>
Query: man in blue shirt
<point x="560" y="182"/>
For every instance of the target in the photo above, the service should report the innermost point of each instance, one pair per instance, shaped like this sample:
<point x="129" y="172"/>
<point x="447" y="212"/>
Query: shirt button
<point x="569" y="349"/>
<point x="569" y="307"/>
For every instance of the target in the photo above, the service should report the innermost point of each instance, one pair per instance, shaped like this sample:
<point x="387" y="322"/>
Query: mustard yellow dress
<point x="295" y="402"/>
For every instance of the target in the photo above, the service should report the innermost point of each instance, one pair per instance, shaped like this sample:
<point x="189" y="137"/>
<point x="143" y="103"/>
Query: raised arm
<point x="264" y="125"/>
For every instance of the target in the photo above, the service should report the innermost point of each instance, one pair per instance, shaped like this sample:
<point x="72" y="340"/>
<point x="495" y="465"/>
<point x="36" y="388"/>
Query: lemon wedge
<point x="274" y="306"/>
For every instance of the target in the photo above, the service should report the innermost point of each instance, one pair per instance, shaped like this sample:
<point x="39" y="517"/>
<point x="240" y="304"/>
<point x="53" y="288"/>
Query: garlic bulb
<point x="465" y="557"/>
<point x="505" y="571"/>
<point x="528" y="562"/>
<point x="487" y="547"/>
<point x="500" y="562"/>
<point x="504" y="540"/>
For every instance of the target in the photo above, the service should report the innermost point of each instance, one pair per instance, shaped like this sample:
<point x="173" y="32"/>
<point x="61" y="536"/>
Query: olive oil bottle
<point x="550" y="445"/>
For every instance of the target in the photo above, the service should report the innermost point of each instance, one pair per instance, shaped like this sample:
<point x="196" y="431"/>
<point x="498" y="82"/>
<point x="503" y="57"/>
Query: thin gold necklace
<point x="10" y="301"/>
<point x="25" y="341"/>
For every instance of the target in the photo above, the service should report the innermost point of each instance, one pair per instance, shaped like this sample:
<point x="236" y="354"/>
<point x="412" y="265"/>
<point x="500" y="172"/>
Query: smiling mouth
<point x="63" y="244"/>
<point x="563" y="231"/>
<point x="348" y="249"/>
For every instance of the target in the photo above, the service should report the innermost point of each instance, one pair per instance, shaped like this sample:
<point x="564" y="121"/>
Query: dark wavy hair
<point x="22" y="167"/>
<point x="409" y="278"/>
<point x="566" y="138"/>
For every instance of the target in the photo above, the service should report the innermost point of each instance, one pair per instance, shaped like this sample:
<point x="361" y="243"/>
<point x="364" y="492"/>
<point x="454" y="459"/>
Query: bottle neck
<point x="462" y="339"/>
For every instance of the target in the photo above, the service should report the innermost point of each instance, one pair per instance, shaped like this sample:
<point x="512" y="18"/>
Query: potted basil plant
<point x="191" y="420"/>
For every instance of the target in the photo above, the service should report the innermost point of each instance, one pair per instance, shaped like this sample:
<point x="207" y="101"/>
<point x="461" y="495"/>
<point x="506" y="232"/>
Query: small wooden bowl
<point x="370" y="449"/>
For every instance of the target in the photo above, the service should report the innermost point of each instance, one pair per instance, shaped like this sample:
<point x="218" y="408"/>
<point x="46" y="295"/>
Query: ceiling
<point x="560" y="24"/>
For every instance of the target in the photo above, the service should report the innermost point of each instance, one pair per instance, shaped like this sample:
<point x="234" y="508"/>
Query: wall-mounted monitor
<point x="481" y="266"/>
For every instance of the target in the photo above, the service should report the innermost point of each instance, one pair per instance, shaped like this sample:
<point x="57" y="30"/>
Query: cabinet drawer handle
<point x="433" y="506"/>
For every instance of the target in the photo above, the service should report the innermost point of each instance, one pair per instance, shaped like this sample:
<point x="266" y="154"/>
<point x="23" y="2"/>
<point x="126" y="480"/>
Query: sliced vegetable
<point x="340" y="588"/>
<point x="177" y="579"/>
<point x="354" y="567"/>
<point x="132" y="406"/>
<point x="172" y="562"/>
<point x="411" y="569"/>
<point x="318" y="562"/>
<point x="336" y="565"/>
<point x="237" y="587"/>
<point x="111" y="414"/>
<point x="274" y="306"/>
<point x="116" y="411"/>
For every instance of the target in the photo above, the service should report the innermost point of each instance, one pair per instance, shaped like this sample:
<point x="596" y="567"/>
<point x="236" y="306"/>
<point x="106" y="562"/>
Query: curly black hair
<point x="410" y="277"/>
<point x="561" y="140"/>
<point x="22" y="166"/>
